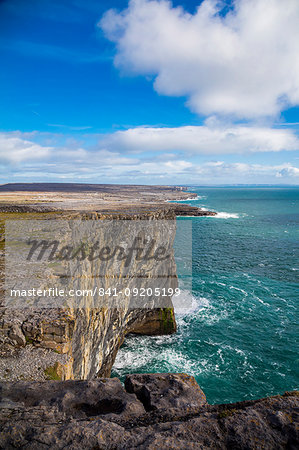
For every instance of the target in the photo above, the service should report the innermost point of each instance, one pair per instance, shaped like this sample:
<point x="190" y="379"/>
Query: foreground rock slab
<point x="161" y="391"/>
<point x="102" y="414"/>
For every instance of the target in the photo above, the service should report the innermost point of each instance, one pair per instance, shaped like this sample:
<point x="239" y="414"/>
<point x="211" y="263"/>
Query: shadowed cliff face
<point x="80" y="337"/>
<point x="99" y="332"/>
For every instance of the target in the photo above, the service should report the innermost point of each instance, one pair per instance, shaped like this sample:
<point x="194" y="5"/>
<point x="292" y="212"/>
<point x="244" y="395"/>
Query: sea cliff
<point x="82" y="342"/>
<point x="54" y="362"/>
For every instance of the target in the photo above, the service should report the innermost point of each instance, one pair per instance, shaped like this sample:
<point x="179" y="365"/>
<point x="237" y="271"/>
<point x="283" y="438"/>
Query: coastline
<point x="213" y="425"/>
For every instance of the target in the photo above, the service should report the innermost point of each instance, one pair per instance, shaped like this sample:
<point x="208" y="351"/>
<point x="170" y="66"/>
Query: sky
<point x="149" y="91"/>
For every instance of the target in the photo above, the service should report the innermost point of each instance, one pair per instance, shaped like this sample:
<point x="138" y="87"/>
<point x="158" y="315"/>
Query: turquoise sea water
<point x="240" y="338"/>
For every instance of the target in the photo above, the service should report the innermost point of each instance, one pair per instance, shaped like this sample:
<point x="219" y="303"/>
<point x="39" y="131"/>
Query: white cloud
<point x="203" y="139"/>
<point x="14" y="149"/>
<point x="289" y="171"/>
<point x="245" y="64"/>
<point x="86" y="157"/>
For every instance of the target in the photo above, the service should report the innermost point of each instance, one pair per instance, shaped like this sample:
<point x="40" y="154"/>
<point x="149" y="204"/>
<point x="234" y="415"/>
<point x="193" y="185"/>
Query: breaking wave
<point x="225" y="215"/>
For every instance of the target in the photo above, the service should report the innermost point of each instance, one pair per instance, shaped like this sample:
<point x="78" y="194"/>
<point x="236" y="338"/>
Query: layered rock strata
<point x="80" y="341"/>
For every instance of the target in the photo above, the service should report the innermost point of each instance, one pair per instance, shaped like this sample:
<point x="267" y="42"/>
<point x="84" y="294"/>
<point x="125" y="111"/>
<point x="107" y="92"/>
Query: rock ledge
<point x="153" y="411"/>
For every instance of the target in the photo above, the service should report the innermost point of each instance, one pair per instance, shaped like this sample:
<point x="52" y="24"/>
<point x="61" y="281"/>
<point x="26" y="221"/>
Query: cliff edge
<point x="153" y="411"/>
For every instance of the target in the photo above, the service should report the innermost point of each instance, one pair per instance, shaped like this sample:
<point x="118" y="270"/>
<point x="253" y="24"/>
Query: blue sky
<point x="151" y="92"/>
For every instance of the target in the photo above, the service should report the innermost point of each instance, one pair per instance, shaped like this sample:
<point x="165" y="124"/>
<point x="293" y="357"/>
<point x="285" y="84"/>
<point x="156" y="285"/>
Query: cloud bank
<point x="203" y="140"/>
<point x="24" y="159"/>
<point x="244" y="64"/>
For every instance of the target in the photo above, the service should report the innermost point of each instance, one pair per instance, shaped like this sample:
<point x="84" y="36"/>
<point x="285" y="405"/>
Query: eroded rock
<point x="101" y="414"/>
<point x="165" y="391"/>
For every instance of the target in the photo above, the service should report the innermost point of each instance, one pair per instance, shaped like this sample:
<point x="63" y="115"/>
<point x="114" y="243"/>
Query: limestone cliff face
<point x="80" y="340"/>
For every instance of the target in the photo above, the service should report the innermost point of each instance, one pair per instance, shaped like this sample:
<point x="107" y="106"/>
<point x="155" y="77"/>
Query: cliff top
<point x="101" y="198"/>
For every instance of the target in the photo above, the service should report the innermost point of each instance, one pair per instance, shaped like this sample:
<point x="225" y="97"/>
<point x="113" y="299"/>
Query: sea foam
<point x="225" y="215"/>
<point x="186" y="303"/>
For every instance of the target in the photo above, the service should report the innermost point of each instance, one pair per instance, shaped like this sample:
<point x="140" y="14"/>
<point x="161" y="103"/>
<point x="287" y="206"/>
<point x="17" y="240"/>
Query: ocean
<point x="240" y="337"/>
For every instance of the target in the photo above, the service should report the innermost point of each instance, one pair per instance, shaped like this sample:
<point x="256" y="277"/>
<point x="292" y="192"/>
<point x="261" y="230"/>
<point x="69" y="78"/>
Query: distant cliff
<point x="100" y="198"/>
